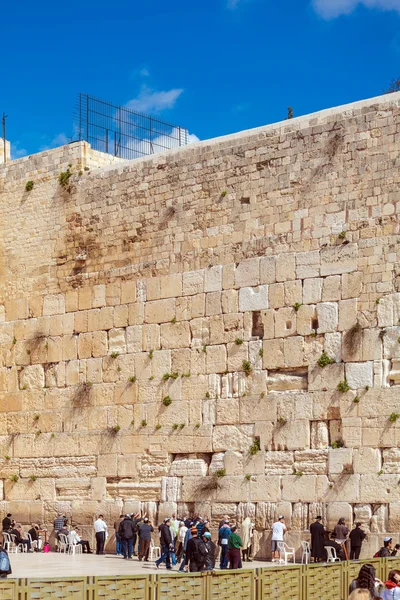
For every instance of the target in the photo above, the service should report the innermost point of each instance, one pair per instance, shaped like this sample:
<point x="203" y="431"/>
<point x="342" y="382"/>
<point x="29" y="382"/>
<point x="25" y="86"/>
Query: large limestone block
<point x="232" y="437"/>
<point x="391" y="461"/>
<point x="285" y="322"/>
<point x="293" y="349"/>
<point x="175" y="335"/>
<point x="171" y="286"/>
<point x="326" y="378"/>
<point x="333" y="346"/>
<point x="150" y="337"/>
<point x="391" y="346"/>
<point x="213" y="279"/>
<point x="331" y="290"/>
<point x="160" y="311"/>
<point x="379" y="488"/>
<point x="171" y="489"/>
<point x="394" y="517"/>
<point x="307" y="264"/>
<point x="338" y="488"/>
<point x="188" y="467"/>
<point x="233" y="462"/>
<point x="387" y="309"/>
<point x="347" y="314"/>
<point x="213" y="304"/>
<point x="273" y="354"/>
<point x="311" y="462"/>
<point x="216" y="359"/>
<point x="336" y="511"/>
<point x="371" y="344"/>
<point x="276" y="295"/>
<point x="285" y="267"/>
<point x="227" y="411"/>
<point x="217" y="462"/>
<point x="116" y="341"/>
<point x="54" y="304"/>
<point x="339" y="259"/>
<point x="352" y="284"/>
<point x="293" y="292"/>
<point x="259" y="488"/>
<point x="352" y="432"/>
<point x="312" y="290"/>
<point x="255" y="408"/>
<point x="379" y="433"/>
<point x="379" y="402"/>
<point x="236" y="355"/>
<point x="293" y="435"/>
<point x="193" y="282"/>
<point x="297" y="488"/>
<point x="248" y="273"/>
<point x="268" y="269"/>
<point x="328" y="316"/>
<point x="367" y="460"/>
<point x="279" y="463"/>
<point x="253" y="298"/>
<point x="166" y="509"/>
<point x="319" y="438"/>
<point x="340" y="460"/>
<point x="32" y="377"/>
<point x="304" y="320"/>
<point x="360" y="375"/>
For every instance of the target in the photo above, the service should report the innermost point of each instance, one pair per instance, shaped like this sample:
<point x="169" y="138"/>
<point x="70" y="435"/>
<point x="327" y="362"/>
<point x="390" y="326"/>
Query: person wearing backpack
<point x="211" y="551"/>
<point x="196" y="553"/>
<point x="5" y="565"/>
<point x="386" y="549"/>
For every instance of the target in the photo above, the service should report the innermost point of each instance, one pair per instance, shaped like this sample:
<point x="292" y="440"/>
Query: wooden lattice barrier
<point x="231" y="585"/>
<point x="181" y="587"/>
<point x="297" y="582"/>
<point x="324" y="582"/>
<point x="284" y="583"/>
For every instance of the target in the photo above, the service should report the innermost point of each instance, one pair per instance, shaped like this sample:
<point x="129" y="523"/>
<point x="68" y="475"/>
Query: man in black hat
<point x="357" y="535"/>
<point x="317" y="531"/>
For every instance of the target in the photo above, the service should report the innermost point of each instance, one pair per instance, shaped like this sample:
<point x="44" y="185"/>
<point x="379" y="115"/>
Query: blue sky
<point x="215" y="66"/>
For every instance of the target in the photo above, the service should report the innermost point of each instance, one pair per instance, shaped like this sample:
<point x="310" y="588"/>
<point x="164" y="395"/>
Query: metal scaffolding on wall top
<point x="123" y="132"/>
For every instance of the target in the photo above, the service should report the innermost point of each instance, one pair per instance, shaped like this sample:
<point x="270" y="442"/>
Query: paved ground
<point x="63" y="565"/>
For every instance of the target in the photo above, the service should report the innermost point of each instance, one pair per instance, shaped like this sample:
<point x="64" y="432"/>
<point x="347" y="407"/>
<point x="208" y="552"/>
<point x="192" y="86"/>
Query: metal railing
<point x="123" y="132"/>
<point x="297" y="582"/>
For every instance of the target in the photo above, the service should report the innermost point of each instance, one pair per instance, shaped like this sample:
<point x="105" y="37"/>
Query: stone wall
<point x="7" y="150"/>
<point x="215" y="329"/>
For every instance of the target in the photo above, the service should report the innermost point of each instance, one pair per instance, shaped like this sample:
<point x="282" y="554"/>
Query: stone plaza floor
<point x="54" y="564"/>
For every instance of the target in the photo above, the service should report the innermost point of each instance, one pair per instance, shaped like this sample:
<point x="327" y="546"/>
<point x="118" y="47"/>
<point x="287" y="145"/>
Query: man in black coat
<point x="7" y="522"/>
<point x="317" y="531"/>
<point x="357" y="535"/>
<point x="166" y="544"/>
<point x="127" y="531"/>
<point x="196" y="553"/>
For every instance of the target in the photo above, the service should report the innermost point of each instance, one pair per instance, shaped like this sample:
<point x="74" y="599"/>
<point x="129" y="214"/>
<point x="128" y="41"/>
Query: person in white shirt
<point x="101" y="529"/>
<point x="278" y="530"/>
<point x="181" y="539"/>
<point x="74" y="538"/>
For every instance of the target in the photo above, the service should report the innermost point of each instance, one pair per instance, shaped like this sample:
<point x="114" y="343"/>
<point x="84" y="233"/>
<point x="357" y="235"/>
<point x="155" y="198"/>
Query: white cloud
<point x="232" y="4"/>
<point x="151" y="101"/>
<point x="59" y="140"/>
<point x="17" y="151"/>
<point x="135" y="148"/>
<point x="330" y="9"/>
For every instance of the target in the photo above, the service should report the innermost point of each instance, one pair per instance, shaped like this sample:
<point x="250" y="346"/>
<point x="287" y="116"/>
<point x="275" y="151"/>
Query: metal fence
<point x="123" y="132"/>
<point x="297" y="582"/>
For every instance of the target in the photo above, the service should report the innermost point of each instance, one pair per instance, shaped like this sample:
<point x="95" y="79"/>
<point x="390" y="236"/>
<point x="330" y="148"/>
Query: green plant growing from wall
<point x="64" y="178"/>
<point x="343" y="386"/>
<point x="114" y="354"/>
<point x="115" y="429"/>
<point x="238" y="341"/>
<point x="393" y="417"/>
<point x="167" y="401"/>
<point x="143" y="423"/>
<point x="247" y="368"/>
<point x="325" y="360"/>
<point x="281" y="421"/>
<point x="338" y="444"/>
<point x="219" y="473"/>
<point x="132" y="379"/>
<point x="151" y="353"/>
<point x="32" y="477"/>
<point x="255" y="447"/>
<point x="14" y="478"/>
<point x="29" y="186"/>
<point x="296" y="306"/>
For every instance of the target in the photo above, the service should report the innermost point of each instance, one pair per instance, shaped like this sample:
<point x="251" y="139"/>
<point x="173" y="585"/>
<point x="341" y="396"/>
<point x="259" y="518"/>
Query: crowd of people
<point x="367" y="586"/>
<point x="31" y="540"/>
<point x="347" y="544"/>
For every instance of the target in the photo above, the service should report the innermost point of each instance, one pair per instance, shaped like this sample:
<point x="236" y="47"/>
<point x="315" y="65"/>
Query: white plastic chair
<point x="34" y="543"/>
<point x="305" y="552"/>
<point x="8" y="543"/>
<point x="155" y="551"/>
<point x="331" y="554"/>
<point x="62" y="543"/>
<point x="16" y="547"/>
<point x="72" y="547"/>
<point x="287" y="552"/>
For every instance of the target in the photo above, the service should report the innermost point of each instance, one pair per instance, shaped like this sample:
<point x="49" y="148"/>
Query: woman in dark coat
<point x="317" y="531"/>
